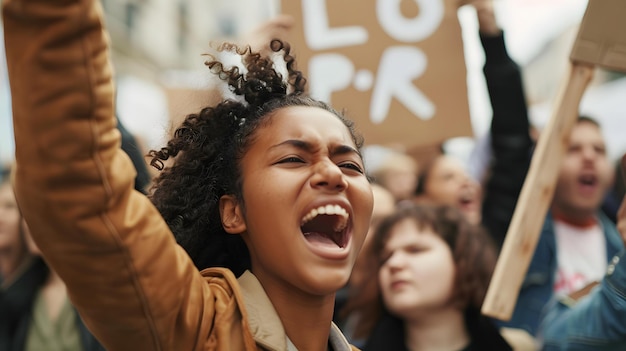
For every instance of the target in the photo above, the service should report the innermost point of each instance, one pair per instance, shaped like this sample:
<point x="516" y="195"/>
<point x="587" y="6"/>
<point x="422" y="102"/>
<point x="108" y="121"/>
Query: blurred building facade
<point x="151" y="36"/>
<point x="157" y="48"/>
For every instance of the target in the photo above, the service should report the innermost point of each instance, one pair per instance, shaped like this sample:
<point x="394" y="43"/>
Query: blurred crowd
<point x="434" y="239"/>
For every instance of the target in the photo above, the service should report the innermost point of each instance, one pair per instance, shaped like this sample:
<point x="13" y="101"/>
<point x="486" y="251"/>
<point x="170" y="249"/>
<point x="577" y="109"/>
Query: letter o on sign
<point x="410" y="30"/>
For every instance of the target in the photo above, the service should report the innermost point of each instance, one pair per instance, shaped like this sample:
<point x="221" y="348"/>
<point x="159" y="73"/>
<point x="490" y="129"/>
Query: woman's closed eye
<point x="414" y="249"/>
<point x="352" y="166"/>
<point x="291" y="159"/>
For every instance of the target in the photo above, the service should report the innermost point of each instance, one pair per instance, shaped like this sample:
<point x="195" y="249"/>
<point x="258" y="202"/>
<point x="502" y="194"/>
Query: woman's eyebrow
<point x="298" y="144"/>
<point x="345" y="149"/>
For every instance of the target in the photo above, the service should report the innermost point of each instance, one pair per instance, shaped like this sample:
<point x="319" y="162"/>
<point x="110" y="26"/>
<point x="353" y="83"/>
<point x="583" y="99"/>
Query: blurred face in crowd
<point x="12" y="246"/>
<point x="586" y="173"/>
<point x="30" y="243"/>
<point x="399" y="176"/>
<point x="9" y="220"/>
<point x="417" y="273"/>
<point x="449" y="183"/>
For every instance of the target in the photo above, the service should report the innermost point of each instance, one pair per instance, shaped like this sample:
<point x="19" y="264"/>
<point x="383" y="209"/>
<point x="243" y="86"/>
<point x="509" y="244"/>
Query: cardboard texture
<point x="184" y="101"/>
<point x="397" y="69"/>
<point x="601" y="40"/>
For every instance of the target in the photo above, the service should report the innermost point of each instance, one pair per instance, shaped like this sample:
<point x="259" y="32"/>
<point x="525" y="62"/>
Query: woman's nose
<point x="395" y="262"/>
<point x="329" y="176"/>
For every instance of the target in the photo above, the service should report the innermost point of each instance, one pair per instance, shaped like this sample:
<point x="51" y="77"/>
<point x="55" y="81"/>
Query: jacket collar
<point x="267" y="329"/>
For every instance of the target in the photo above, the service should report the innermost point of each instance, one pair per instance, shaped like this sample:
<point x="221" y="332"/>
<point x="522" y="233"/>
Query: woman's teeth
<point x="330" y="210"/>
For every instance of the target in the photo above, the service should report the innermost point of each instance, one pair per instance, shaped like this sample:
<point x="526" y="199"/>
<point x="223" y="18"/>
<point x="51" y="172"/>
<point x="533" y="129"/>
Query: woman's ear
<point x="231" y="215"/>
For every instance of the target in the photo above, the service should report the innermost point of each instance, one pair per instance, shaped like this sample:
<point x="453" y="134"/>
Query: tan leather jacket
<point x="135" y="288"/>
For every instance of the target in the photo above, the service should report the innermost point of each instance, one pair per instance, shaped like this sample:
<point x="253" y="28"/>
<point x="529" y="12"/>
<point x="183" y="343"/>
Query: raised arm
<point x="134" y="287"/>
<point x="510" y="128"/>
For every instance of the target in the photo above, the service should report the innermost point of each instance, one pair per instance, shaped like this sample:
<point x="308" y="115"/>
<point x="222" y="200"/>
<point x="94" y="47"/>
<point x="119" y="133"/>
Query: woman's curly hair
<point x="207" y="148"/>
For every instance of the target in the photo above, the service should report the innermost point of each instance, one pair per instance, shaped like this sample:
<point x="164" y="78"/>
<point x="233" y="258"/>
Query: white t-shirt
<point x="581" y="256"/>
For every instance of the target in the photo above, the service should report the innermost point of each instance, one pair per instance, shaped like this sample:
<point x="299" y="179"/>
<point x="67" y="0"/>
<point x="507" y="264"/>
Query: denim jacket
<point x="537" y="287"/>
<point x="597" y="322"/>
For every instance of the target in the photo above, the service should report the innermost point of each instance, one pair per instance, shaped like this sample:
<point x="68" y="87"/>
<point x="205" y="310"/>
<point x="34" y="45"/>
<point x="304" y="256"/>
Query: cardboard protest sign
<point x="396" y="67"/>
<point x="601" y="40"/>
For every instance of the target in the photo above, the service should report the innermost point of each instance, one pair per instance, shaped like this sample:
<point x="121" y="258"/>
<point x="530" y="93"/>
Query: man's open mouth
<point x="588" y="180"/>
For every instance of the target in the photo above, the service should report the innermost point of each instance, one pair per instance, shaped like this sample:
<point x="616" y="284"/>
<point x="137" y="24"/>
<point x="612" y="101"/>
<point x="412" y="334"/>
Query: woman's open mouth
<point x="326" y="230"/>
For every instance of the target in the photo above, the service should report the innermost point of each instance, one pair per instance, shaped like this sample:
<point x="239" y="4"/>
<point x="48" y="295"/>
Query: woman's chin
<point x="328" y="282"/>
